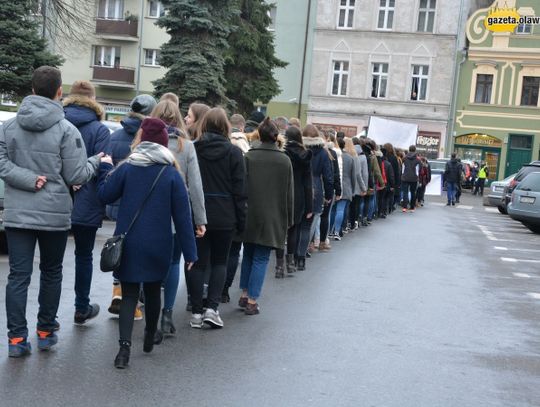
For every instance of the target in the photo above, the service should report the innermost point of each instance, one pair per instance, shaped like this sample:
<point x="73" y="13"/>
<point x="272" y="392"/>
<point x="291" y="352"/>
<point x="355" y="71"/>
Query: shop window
<point x="484" y="86"/>
<point x="530" y="89"/>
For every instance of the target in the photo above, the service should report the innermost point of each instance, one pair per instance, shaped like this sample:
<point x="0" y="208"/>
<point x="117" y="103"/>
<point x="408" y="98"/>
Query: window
<point x="520" y="142"/>
<point x="484" y="85"/>
<point x="420" y="78"/>
<point x="156" y="9"/>
<point x="107" y="56"/>
<point x="386" y="14"/>
<point x="426" y="15"/>
<point x="111" y="9"/>
<point x="346" y="13"/>
<point x="340" y="78"/>
<point x="530" y="183"/>
<point x="529" y="93"/>
<point x="524" y="29"/>
<point x="272" y="14"/>
<point x="151" y="57"/>
<point x="379" y="81"/>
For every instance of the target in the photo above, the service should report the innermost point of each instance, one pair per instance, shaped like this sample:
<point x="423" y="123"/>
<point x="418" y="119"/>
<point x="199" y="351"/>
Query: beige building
<point x="120" y="53"/>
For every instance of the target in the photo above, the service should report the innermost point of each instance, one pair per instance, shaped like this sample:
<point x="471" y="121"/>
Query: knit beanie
<point x="154" y="131"/>
<point x="83" y="88"/>
<point x="256" y="117"/>
<point x="143" y="104"/>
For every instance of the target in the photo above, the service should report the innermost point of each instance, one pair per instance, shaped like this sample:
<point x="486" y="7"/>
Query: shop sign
<point x="480" y="140"/>
<point x="428" y="144"/>
<point x="350" y="131"/>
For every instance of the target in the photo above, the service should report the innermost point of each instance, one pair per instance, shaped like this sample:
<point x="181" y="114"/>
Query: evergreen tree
<point x="251" y="59"/>
<point x="21" y="49"/>
<point x="194" y="54"/>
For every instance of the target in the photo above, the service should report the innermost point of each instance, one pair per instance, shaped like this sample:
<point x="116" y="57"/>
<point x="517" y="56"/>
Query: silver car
<point x="525" y="204"/>
<point x="496" y="192"/>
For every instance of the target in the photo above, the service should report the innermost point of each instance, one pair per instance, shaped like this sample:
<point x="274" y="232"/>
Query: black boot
<point x="167" y="326"/>
<point x="225" y="297"/>
<point x="291" y="266"/>
<point x="122" y="358"/>
<point x="151" y="340"/>
<point x="301" y="264"/>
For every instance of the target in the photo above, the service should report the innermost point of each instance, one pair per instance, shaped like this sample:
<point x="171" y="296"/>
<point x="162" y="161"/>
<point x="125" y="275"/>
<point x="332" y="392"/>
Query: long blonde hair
<point x="169" y="112"/>
<point x="349" y="147"/>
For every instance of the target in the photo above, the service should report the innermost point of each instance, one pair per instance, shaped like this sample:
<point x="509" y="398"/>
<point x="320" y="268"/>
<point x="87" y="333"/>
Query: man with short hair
<point x="409" y="179"/>
<point x="238" y="137"/>
<point x="42" y="156"/>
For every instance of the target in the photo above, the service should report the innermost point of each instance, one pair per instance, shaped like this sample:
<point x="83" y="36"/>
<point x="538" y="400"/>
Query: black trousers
<point x="293" y="238"/>
<point x="325" y="221"/>
<point x="354" y="209"/>
<point x="421" y="193"/>
<point x="213" y="250"/>
<point x="232" y="262"/>
<point x="409" y="187"/>
<point x="152" y="307"/>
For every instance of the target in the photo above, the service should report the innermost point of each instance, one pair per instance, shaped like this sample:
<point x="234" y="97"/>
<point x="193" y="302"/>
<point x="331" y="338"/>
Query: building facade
<point x="386" y="58"/>
<point x="498" y="105"/>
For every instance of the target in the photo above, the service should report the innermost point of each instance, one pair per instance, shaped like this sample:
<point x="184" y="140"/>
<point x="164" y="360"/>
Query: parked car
<point x="496" y="193"/>
<point x="522" y="173"/>
<point x="525" y="202"/>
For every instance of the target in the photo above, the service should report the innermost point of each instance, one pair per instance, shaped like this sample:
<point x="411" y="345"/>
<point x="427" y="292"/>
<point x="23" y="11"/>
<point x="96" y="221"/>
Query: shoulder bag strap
<point x="145" y="199"/>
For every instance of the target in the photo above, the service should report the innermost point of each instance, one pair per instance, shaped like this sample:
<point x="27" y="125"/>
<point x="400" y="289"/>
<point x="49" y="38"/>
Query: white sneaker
<point x="196" y="321"/>
<point x="212" y="318"/>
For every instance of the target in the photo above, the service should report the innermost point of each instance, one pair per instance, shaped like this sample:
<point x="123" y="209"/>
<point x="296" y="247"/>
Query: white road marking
<point x="536" y="296"/>
<point x="517" y="250"/>
<point x="468" y="207"/>
<point x="491" y="210"/>
<point x="521" y="275"/>
<point x="512" y="260"/>
<point x="437" y="203"/>
<point x="501" y="248"/>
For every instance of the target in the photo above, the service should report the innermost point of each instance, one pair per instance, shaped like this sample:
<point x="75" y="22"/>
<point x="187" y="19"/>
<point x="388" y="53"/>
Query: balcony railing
<point x="116" y="27"/>
<point x="120" y="75"/>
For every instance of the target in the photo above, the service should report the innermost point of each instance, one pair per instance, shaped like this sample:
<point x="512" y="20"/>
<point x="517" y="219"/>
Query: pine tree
<point x="251" y="59"/>
<point x="194" y="54"/>
<point x="21" y="49"/>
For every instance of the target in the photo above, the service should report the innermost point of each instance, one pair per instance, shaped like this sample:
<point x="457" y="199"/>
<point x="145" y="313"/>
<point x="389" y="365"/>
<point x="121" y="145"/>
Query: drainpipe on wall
<point x="300" y="98"/>
<point x="457" y="72"/>
<point x="140" y="49"/>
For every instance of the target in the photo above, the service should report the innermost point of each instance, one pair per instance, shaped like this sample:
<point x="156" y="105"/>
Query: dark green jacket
<point x="270" y="196"/>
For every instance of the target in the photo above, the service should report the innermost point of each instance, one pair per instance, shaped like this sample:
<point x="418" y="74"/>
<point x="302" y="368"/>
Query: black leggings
<point x="293" y="237"/>
<point x="152" y="307"/>
<point x="325" y="222"/>
<point x="354" y="210"/>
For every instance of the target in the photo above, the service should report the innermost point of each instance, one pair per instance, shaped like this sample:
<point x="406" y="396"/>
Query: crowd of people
<point x="208" y="187"/>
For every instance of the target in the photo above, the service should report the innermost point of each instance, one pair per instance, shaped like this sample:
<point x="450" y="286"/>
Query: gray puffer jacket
<point x="39" y="141"/>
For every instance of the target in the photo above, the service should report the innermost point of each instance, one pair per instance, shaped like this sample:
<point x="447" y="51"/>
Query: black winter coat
<point x="223" y="175"/>
<point x="390" y="177"/>
<point x="335" y="170"/>
<point x="303" y="184"/>
<point x="452" y="172"/>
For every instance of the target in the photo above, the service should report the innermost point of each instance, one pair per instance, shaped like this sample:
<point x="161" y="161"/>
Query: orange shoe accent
<point x="15" y="341"/>
<point x="43" y="334"/>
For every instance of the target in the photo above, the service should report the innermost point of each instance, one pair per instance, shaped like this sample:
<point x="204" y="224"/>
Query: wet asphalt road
<point x="416" y="310"/>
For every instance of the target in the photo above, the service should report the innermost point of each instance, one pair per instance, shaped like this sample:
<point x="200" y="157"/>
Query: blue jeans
<point x="171" y="282"/>
<point x="340" y="214"/>
<point x="85" y="238"/>
<point x="372" y="206"/>
<point x="451" y="188"/>
<point x="22" y="246"/>
<point x="254" y="264"/>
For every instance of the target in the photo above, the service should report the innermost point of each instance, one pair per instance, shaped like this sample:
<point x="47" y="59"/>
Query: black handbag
<point x="111" y="254"/>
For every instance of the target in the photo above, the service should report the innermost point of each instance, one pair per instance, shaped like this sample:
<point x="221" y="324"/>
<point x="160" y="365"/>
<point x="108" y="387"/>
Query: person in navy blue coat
<point x="121" y="141"/>
<point x="82" y="110"/>
<point x="148" y="246"/>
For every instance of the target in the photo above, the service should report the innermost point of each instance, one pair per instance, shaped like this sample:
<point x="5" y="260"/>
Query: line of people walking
<point x="207" y="187"/>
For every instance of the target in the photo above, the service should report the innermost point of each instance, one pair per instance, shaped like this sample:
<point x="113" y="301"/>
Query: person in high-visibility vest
<point x="483" y="173"/>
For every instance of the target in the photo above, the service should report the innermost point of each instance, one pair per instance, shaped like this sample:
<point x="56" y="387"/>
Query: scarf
<point x="147" y="154"/>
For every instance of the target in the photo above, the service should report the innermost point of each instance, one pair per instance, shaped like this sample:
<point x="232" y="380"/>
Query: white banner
<point x="435" y="186"/>
<point x="399" y="134"/>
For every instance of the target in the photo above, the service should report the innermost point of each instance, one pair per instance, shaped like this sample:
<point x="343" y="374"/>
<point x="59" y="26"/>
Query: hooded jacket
<point x="40" y="141"/>
<point x="321" y="171"/>
<point x="303" y="183"/>
<point x="452" y="171"/>
<point x="86" y="114"/>
<point x="223" y="175"/>
<point x="411" y="168"/>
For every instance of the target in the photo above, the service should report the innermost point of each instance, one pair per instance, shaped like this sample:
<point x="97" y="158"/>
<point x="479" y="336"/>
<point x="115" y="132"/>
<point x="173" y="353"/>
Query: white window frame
<point x="160" y="8"/>
<point x="154" y="57"/>
<point x="427" y="11"/>
<point x="102" y="56"/>
<point x="272" y="26"/>
<point x="421" y="76"/>
<point x="118" y="10"/>
<point x="347" y="9"/>
<point x="520" y="29"/>
<point x="387" y="9"/>
<point x="380" y="74"/>
<point x="341" y="72"/>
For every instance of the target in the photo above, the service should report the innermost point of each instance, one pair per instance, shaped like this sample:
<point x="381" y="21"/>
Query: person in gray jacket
<point x="41" y="156"/>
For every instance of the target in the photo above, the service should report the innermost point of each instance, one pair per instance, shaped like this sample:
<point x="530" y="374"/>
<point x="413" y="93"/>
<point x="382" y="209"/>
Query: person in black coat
<point x="325" y="216"/>
<point x="303" y="196"/>
<point x="390" y="183"/>
<point x="452" y="175"/>
<point x="82" y="110"/>
<point x="223" y="176"/>
<point x="391" y="156"/>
